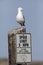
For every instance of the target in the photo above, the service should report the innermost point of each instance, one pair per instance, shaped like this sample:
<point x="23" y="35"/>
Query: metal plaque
<point x="23" y="47"/>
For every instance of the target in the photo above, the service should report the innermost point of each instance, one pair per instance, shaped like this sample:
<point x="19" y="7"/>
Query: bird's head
<point x="20" y="9"/>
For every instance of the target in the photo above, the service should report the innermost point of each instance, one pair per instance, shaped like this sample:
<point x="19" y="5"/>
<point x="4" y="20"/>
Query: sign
<point x="23" y="47"/>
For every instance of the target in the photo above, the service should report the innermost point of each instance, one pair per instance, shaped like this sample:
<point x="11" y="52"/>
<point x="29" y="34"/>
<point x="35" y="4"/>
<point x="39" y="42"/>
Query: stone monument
<point x="19" y="43"/>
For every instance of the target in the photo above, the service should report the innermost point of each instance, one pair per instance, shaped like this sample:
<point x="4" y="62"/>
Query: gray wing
<point x="24" y="21"/>
<point x="24" y="18"/>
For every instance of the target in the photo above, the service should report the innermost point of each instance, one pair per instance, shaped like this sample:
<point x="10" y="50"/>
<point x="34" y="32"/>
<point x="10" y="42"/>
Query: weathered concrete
<point x="12" y="44"/>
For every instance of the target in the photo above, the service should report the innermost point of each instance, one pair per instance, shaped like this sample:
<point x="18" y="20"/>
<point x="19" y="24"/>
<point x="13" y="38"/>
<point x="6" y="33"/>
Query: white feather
<point x="20" y="18"/>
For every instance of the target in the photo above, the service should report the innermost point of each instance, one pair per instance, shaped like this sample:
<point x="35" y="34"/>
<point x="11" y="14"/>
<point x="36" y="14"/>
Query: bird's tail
<point x="23" y="24"/>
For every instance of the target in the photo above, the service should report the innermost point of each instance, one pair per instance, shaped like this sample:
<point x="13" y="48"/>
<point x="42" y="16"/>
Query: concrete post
<point x="12" y="43"/>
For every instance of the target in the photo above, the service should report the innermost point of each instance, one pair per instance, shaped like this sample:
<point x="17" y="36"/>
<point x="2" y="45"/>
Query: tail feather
<point x="22" y="24"/>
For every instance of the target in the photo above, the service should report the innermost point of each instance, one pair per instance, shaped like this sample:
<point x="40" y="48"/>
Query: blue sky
<point x="33" y="12"/>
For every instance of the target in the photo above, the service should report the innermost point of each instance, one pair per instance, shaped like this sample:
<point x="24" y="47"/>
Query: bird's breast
<point x="19" y="18"/>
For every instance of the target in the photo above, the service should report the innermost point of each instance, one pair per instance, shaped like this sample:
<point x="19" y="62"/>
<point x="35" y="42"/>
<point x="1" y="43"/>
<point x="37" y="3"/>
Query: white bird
<point x="20" y="18"/>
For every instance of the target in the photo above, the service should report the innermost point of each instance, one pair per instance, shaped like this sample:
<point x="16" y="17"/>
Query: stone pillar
<point x="12" y="43"/>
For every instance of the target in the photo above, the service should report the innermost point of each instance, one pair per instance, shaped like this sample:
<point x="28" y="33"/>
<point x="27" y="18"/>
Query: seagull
<point x="20" y="18"/>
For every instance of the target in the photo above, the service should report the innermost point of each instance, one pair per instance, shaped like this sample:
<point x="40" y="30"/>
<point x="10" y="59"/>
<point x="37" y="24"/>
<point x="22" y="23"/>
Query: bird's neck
<point x="20" y="12"/>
